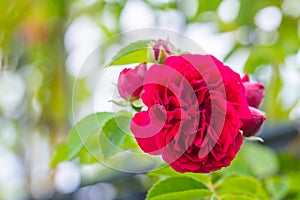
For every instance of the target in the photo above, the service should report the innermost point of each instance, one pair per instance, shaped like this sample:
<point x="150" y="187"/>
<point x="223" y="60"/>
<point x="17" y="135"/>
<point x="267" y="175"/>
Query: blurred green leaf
<point x="294" y="180"/>
<point x="261" y="160"/>
<point x="129" y="143"/>
<point x="289" y="41"/>
<point x="178" y="188"/>
<point x="238" y="165"/>
<point x="297" y="197"/>
<point x="84" y="140"/>
<point x="289" y="163"/>
<point x="79" y="135"/>
<point x="82" y="93"/>
<point x="273" y="102"/>
<point x="241" y="185"/>
<point x="277" y="186"/>
<point x="60" y="155"/>
<point x="262" y="55"/>
<point x="91" y="151"/>
<point x="254" y="159"/>
<point x="136" y="52"/>
<point x="237" y="197"/>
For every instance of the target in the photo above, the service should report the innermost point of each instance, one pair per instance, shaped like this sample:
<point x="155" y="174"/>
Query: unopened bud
<point x="254" y="93"/>
<point x="130" y="82"/>
<point x="252" y="126"/>
<point x="160" y="50"/>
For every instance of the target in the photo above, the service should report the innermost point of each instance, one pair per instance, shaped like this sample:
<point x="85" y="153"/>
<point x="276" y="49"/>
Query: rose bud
<point x="254" y="93"/>
<point x="130" y="82"/>
<point x="252" y="126"/>
<point x="160" y="50"/>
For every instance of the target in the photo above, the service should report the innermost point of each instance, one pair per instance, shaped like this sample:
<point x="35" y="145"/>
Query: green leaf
<point x="167" y="171"/>
<point x="262" y="160"/>
<point x="237" y="197"/>
<point x="178" y="188"/>
<point x="84" y="129"/>
<point x="188" y="195"/>
<point x="238" y="166"/>
<point x="241" y="185"/>
<point x="129" y="143"/>
<point x="113" y="135"/>
<point x="83" y="140"/>
<point x="294" y="180"/>
<point x="136" y="52"/>
<point x="277" y="110"/>
<point x="203" y="178"/>
<point x="79" y="135"/>
<point x="164" y="171"/>
<point x="61" y="154"/>
<point x="277" y="186"/>
<point x="288" y="163"/>
<point x="91" y="151"/>
<point x="253" y="159"/>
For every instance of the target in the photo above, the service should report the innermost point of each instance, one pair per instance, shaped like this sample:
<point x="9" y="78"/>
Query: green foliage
<point x="167" y="171"/>
<point x="288" y="163"/>
<point x="178" y="188"/>
<point x="255" y="160"/>
<point x="79" y="135"/>
<point x="261" y="160"/>
<point x="241" y="185"/>
<point x="136" y="52"/>
<point x="277" y="186"/>
<point x="98" y="135"/>
<point x="253" y="175"/>
<point x="237" y="186"/>
<point x="237" y="197"/>
<point x="113" y="135"/>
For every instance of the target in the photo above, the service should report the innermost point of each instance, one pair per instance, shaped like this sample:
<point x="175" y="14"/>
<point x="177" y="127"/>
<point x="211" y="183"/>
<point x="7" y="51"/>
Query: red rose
<point x="195" y="110"/>
<point x="130" y="82"/>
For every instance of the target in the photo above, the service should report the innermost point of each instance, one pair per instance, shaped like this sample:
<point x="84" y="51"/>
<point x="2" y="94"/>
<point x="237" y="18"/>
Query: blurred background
<point x="43" y="45"/>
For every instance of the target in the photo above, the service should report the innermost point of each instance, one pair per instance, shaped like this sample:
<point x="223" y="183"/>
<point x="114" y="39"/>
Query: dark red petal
<point x="145" y="127"/>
